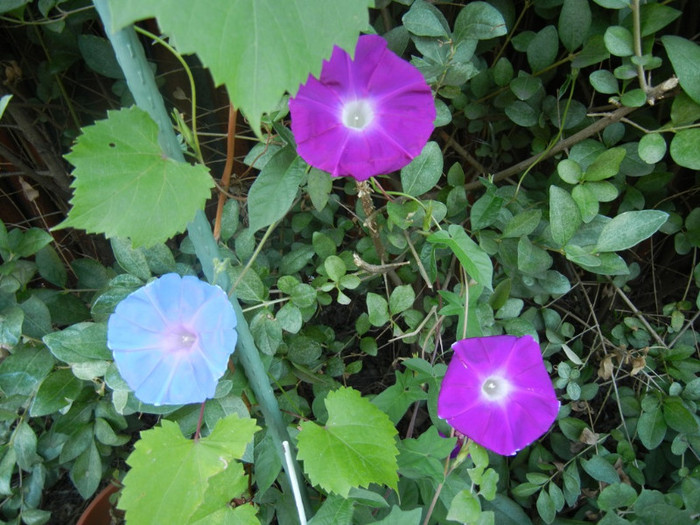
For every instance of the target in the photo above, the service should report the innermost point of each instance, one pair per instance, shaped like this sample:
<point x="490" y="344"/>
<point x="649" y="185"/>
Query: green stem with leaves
<point x="141" y="82"/>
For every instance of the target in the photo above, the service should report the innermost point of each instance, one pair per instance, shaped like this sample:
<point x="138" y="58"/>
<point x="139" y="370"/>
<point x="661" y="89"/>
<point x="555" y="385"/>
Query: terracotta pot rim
<point x="99" y="507"/>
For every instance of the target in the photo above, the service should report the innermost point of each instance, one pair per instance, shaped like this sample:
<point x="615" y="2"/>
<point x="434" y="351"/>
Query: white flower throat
<point x="357" y="114"/>
<point x="495" y="388"/>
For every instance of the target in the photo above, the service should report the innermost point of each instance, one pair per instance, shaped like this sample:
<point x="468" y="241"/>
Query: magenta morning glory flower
<point x="497" y="392"/>
<point x="172" y="338"/>
<point x="363" y="117"/>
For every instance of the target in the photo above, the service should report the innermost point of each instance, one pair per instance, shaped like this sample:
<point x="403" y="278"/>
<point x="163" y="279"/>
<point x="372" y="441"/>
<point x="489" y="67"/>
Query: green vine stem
<point x="141" y="82"/>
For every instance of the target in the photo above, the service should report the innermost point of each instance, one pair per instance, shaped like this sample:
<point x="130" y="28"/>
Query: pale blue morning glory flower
<point x="172" y="339"/>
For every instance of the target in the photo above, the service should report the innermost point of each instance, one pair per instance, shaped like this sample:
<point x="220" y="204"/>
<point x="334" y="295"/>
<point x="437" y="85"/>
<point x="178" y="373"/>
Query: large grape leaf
<point x="354" y="448"/>
<point x="170" y="475"/>
<point x="125" y="186"/>
<point x="258" y="48"/>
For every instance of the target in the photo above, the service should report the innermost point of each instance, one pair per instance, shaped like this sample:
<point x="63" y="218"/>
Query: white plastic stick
<point x="295" y="484"/>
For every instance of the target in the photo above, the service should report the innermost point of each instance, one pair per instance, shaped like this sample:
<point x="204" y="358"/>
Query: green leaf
<point x="126" y="187"/>
<point x="335" y="267"/>
<point x="51" y="266"/>
<point x="250" y="288"/>
<point x="619" y="41"/>
<point x="542" y="50"/>
<point x="104" y="433"/>
<point x="424" y="172"/>
<point x="474" y="259"/>
<point x="522" y="113"/>
<point x="23" y="370"/>
<point x="241" y="42"/>
<point x="290" y="318"/>
<point x="570" y="171"/>
<point x="525" y="86"/>
<point x="634" y="98"/>
<point x="532" y="260"/>
<point x="545" y="507"/>
<point x="606" y="165"/>
<point x="267" y="333"/>
<point x="230" y="219"/>
<point x="377" y="309"/>
<point x="465" y="507"/>
<point x="678" y="417"/>
<point x="221" y="489"/>
<point x="684" y="148"/>
<point x="572" y="484"/>
<point x="7" y="469"/>
<point x="37" y="318"/>
<point x="424" y="19"/>
<point x="29" y="242"/>
<point x="319" y="186"/>
<point x="401" y="517"/>
<point x="425" y="456"/>
<point x="86" y="472"/>
<point x="613" y="4"/>
<point x="564" y="215"/>
<point x="604" y="191"/>
<point x="303" y="350"/>
<point x="323" y="245"/>
<point x="502" y="74"/>
<point x="334" y="510"/>
<point x="479" y="21"/>
<point x="99" y="56"/>
<point x="616" y="496"/>
<point x="574" y="23"/>
<point x="56" y="392"/>
<point x="485" y="210"/>
<point x="131" y="259"/>
<point x="277" y="183"/>
<point x="353" y="449"/>
<point x="600" y="469"/>
<point x="629" y="228"/>
<point x="603" y="81"/>
<point x="654" y="17"/>
<point x="593" y="52"/>
<point x="685" y="58"/>
<point x="184" y="468"/>
<point x="395" y="400"/>
<point x="523" y="223"/>
<point x="401" y="298"/>
<point x="267" y="463"/>
<point x="24" y="443"/>
<point x="652" y="148"/>
<point x="586" y="201"/>
<point x="79" y="343"/>
<point x="684" y="110"/>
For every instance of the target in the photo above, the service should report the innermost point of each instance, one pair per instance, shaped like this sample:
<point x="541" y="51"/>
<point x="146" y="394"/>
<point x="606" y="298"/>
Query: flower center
<point x="357" y="114"/>
<point x="179" y="340"/>
<point x="495" y="388"/>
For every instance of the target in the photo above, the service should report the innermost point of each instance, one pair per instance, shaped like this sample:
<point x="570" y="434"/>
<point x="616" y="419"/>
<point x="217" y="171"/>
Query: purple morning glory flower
<point x="497" y="392"/>
<point x="363" y="117"/>
<point x="172" y="338"/>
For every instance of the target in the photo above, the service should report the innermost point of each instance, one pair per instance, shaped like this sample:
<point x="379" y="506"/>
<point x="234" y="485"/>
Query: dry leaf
<point x="606" y="368"/>
<point x="638" y="364"/>
<point x="30" y="193"/>
<point x="588" y="437"/>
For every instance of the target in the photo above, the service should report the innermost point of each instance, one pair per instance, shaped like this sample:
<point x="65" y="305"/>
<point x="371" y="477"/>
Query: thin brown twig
<point x="463" y="153"/>
<point x="228" y="168"/>
<point x="654" y="94"/>
<point x="639" y="315"/>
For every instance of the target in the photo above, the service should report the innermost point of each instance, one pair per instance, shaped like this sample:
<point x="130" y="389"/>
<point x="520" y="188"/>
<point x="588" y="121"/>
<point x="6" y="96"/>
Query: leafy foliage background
<point x="557" y="198"/>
